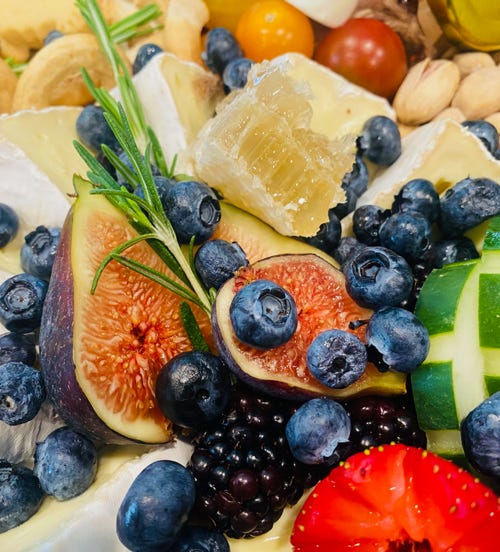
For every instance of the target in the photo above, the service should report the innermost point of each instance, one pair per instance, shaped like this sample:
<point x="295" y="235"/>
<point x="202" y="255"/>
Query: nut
<point x="450" y="113"/>
<point x="469" y="62"/>
<point x="53" y="76"/>
<point x="426" y="90"/>
<point x="479" y="93"/>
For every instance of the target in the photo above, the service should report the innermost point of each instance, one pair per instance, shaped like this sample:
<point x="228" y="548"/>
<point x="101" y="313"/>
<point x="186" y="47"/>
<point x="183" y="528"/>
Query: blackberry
<point x="244" y="470"/>
<point x="378" y="420"/>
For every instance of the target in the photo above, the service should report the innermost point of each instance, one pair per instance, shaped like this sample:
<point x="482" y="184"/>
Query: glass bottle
<point x="472" y="24"/>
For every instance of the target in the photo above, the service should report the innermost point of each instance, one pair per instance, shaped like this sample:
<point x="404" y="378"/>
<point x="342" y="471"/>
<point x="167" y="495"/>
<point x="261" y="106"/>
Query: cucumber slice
<point x="460" y="306"/>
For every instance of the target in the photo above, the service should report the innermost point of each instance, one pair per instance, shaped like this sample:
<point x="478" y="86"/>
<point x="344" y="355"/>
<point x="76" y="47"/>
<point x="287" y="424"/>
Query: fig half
<point x="322" y="302"/>
<point x="100" y="353"/>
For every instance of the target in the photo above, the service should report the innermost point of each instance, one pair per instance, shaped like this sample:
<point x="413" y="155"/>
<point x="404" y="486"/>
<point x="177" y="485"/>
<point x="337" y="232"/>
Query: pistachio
<point x="479" y="93"/>
<point x="426" y="90"/>
<point x="468" y="62"/>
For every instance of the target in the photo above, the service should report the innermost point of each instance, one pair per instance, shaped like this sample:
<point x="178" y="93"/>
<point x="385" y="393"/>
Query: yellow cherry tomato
<point x="224" y="13"/>
<point x="272" y="27"/>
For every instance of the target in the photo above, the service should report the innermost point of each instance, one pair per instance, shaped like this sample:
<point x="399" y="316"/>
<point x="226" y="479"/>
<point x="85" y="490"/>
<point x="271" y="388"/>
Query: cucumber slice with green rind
<point x="437" y="304"/>
<point x="460" y="306"/>
<point x="489" y="309"/>
<point x="492" y="236"/>
<point x="433" y="393"/>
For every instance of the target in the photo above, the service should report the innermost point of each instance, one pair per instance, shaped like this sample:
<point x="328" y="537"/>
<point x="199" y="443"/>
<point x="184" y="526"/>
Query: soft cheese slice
<point x="88" y="522"/>
<point x="37" y="163"/>
<point x="178" y="97"/>
<point x="443" y="152"/>
<point x="46" y="138"/>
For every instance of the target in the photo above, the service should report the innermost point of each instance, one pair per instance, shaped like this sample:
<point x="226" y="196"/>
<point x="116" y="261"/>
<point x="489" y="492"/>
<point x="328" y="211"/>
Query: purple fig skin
<point x="56" y="350"/>
<point x="270" y="387"/>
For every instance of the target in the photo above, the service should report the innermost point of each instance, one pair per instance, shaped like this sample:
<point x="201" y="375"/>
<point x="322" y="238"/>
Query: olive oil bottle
<point x="472" y="24"/>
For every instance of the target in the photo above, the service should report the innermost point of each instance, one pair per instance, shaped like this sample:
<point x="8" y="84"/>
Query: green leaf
<point x="193" y="329"/>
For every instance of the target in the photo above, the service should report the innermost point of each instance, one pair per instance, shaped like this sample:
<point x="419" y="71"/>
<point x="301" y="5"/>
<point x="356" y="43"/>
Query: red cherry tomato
<point x="366" y="52"/>
<point x="272" y="27"/>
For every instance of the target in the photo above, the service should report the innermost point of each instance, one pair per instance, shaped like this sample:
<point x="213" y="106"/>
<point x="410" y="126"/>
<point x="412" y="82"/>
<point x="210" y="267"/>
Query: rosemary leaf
<point x="192" y="328"/>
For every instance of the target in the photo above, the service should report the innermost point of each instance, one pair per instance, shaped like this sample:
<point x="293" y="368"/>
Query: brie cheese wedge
<point x="443" y="152"/>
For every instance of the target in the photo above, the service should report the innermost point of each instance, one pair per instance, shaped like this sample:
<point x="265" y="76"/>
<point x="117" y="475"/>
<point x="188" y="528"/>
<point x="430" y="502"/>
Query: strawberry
<point x="398" y="498"/>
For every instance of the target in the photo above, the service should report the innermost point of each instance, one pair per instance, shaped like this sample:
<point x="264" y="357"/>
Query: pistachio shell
<point x="479" y="93"/>
<point x="427" y="89"/>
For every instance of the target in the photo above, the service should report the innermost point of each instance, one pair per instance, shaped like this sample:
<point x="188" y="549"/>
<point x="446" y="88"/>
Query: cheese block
<point x="37" y="163"/>
<point x="443" y="152"/>
<point x="178" y="97"/>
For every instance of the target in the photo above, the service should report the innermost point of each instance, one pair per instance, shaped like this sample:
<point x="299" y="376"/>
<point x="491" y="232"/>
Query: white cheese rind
<point x="31" y="194"/>
<point x="177" y="97"/>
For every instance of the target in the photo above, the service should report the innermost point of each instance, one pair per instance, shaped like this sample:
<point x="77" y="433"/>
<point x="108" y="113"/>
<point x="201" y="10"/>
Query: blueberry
<point x="22" y="393"/>
<point x="21" y="302"/>
<point x="409" y="234"/>
<point x="156" y="507"/>
<point x="17" y="348"/>
<point x="263" y="314"/>
<point x="366" y="223"/>
<point x="336" y="358"/>
<point x="377" y="277"/>
<point x="221" y="47"/>
<point x="347" y="247"/>
<point x="122" y="178"/>
<point x="235" y="73"/>
<point x="163" y="185"/>
<point x="194" y="538"/>
<point x="357" y="178"/>
<point x="193" y="210"/>
<point x="396" y="340"/>
<point x="51" y="36"/>
<point x="65" y="463"/>
<point x="20" y="495"/>
<point x="145" y="54"/>
<point x="467" y="204"/>
<point x="418" y="195"/>
<point x="9" y="224"/>
<point x="354" y="184"/>
<point x="327" y="237"/>
<point x="486" y="132"/>
<point x="217" y="260"/>
<point x="454" y="250"/>
<point x="480" y="432"/>
<point x="39" y="251"/>
<point x="93" y="129"/>
<point x="193" y="388"/>
<point x="316" y="428"/>
<point x="380" y="141"/>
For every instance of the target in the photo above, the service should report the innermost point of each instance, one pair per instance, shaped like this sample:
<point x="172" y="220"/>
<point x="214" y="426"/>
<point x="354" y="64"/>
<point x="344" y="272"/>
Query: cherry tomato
<point x="366" y="52"/>
<point x="273" y="27"/>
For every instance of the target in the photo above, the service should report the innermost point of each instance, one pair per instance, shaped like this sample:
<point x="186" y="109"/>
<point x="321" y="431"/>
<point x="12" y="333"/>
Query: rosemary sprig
<point x="134" y="25"/>
<point x="92" y="15"/>
<point x="140" y="144"/>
